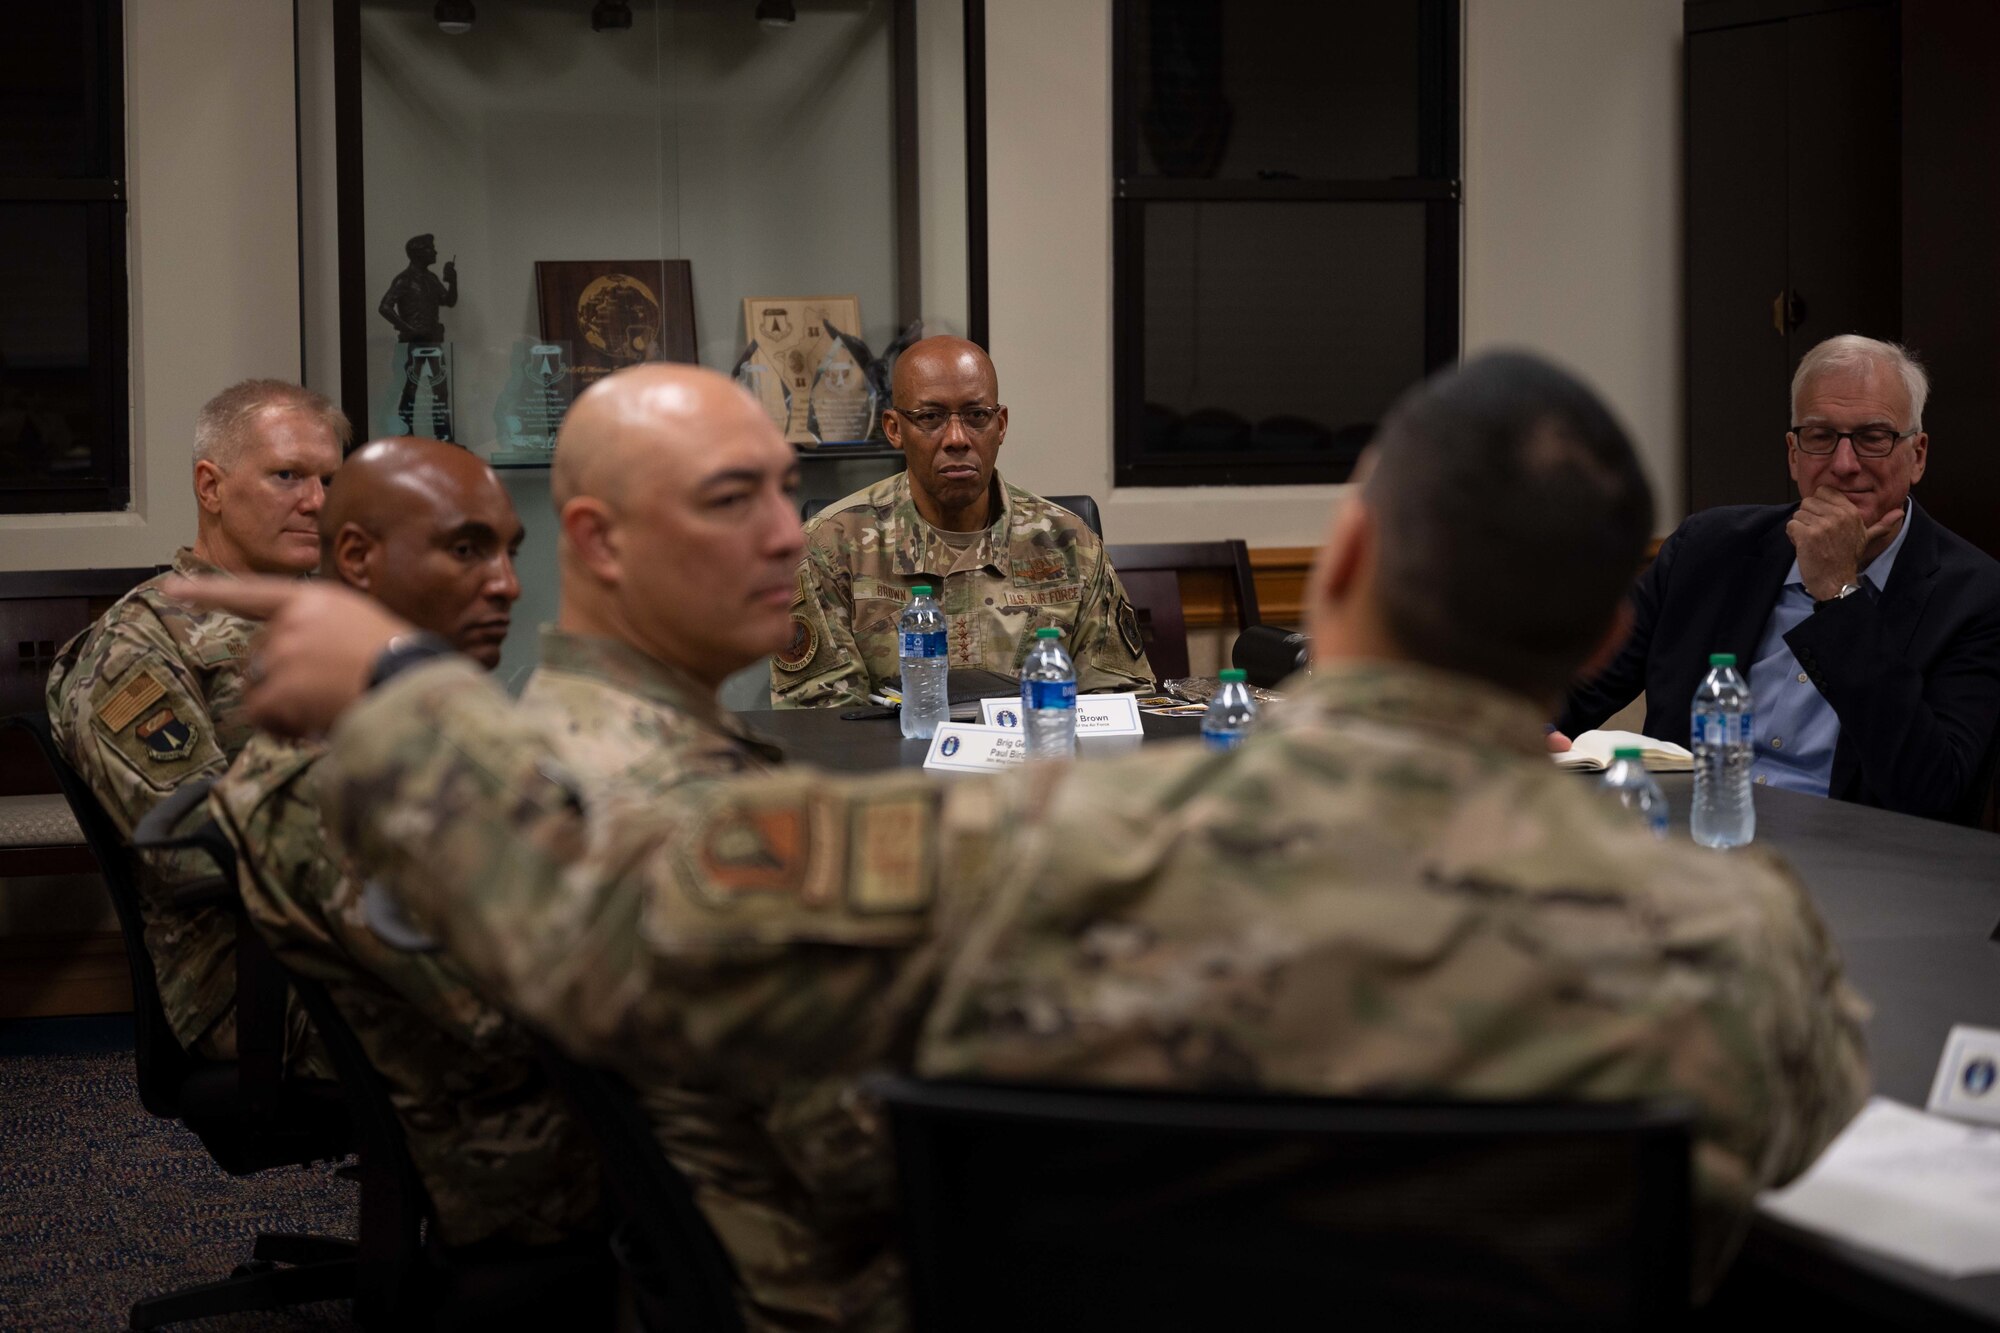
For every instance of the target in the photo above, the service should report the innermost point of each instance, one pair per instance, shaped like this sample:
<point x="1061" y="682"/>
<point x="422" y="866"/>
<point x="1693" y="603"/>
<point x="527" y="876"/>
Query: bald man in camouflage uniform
<point x="147" y="698"/>
<point x="426" y="529"/>
<point x="1004" y="562"/>
<point x="1387" y="890"/>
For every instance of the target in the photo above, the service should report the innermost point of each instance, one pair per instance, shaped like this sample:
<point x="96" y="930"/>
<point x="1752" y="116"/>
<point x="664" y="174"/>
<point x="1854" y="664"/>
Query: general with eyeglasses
<point x="1871" y="634"/>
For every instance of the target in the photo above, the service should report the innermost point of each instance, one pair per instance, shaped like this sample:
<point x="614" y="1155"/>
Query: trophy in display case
<point x="764" y="383"/>
<point x="421" y="367"/>
<point x="843" y="405"/>
<point x="541" y="383"/>
<point x="789" y="340"/>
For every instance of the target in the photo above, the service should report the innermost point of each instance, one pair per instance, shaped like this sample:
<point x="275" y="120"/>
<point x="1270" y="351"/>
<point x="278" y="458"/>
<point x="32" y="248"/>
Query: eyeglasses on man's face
<point x="1869" y="441"/>
<point x="931" y="420"/>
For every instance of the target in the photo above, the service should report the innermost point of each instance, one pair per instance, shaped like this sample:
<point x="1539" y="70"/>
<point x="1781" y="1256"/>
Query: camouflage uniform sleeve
<point x="822" y="666"/>
<point x="136" y="725"/>
<point x="772" y="926"/>
<point x="1109" y="653"/>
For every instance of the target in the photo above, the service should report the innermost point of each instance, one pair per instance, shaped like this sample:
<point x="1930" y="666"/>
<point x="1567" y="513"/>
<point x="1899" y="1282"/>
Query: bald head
<point x="632" y="429"/>
<point x="426" y="528"/>
<point x="930" y="359"/>
<point x="680" y="523"/>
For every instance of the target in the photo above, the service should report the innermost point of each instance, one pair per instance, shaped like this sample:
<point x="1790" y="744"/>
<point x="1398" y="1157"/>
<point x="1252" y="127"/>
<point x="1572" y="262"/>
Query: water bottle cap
<point x="1628" y="752"/>
<point x="1722" y="659"/>
<point x="1233" y="675"/>
<point x="920" y="589"/>
<point x="1048" y="632"/>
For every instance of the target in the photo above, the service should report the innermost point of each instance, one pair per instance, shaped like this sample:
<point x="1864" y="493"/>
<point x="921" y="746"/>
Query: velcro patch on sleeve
<point x="133" y="698"/>
<point x="893" y="855"/>
<point x="804" y="645"/>
<point x="1128" y="629"/>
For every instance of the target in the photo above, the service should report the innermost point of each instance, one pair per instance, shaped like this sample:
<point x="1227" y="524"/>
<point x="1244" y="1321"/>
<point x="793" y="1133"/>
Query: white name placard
<point x="1967" y="1085"/>
<point x="961" y="747"/>
<point x="1096" y="714"/>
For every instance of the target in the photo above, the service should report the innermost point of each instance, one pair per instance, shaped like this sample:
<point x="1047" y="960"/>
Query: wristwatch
<point x="1846" y="590"/>
<point x="406" y="650"/>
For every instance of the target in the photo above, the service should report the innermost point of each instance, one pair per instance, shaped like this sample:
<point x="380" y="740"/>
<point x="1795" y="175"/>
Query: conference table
<point x="1912" y="903"/>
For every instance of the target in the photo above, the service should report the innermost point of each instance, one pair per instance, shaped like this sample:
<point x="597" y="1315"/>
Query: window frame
<point x="103" y="195"/>
<point x="1438" y="186"/>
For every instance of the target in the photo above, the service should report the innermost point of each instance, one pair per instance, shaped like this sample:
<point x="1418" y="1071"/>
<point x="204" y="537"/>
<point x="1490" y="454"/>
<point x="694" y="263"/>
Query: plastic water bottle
<point x="1231" y="713"/>
<point x="925" y="702"/>
<point x="1048" y="698"/>
<point x="1719" y="732"/>
<point x="1628" y="780"/>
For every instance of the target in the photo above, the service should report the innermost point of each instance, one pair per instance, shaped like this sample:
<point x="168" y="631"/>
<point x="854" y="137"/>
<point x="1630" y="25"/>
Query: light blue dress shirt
<point x="1796" y="728"/>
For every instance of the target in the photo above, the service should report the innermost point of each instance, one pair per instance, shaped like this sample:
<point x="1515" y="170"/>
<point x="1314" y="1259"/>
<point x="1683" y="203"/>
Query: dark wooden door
<point x="1793" y="226"/>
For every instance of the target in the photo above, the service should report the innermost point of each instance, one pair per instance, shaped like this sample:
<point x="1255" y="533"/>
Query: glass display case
<point x="534" y="193"/>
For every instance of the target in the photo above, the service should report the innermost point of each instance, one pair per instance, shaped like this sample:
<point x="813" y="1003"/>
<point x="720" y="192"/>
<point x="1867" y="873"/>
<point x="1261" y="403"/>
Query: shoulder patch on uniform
<point x="1128" y="629"/>
<point x="167" y="737"/>
<point x="133" y="698"/>
<point x="803" y="646"/>
<point x="892" y="855"/>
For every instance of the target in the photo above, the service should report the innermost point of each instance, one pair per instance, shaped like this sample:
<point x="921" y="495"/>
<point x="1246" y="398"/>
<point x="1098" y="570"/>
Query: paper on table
<point x="1913" y="1186"/>
<point x="1594" y="750"/>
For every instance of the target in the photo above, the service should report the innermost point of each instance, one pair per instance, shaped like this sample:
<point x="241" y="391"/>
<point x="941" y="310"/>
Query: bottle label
<point x="923" y="645"/>
<point x="1222" y="740"/>
<point x="1715" y="728"/>
<point x="1051" y="693"/>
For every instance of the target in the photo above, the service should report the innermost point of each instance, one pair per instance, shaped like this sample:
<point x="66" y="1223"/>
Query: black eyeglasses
<point x="931" y="420"/>
<point x="1869" y="441"/>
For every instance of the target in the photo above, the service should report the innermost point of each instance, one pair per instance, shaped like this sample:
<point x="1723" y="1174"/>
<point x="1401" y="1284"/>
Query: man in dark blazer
<point x="1870" y="635"/>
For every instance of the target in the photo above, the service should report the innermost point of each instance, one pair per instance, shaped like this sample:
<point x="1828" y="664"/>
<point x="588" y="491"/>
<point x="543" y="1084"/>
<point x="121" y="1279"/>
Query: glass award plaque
<point x="541" y="383"/>
<point x="766" y="385"/>
<point x="418" y="400"/>
<point x="844" y="401"/>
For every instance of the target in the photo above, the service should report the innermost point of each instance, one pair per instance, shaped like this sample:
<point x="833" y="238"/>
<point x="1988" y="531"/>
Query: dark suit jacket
<point x="1913" y="675"/>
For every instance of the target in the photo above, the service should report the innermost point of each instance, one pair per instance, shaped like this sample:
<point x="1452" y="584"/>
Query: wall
<point x="1572" y="238"/>
<point x="214" y="258"/>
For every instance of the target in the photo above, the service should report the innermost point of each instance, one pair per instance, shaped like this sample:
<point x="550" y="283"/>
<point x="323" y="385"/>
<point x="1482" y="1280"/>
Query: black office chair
<point x="1083" y="506"/>
<point x="407" y="1278"/>
<point x="246" y="1112"/>
<point x="1152" y="573"/>
<point x="1058" y="1209"/>
<point x="682" y="1278"/>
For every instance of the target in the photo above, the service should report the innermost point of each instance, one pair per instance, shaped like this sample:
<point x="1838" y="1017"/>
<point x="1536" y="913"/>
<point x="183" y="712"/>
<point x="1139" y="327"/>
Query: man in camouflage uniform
<point x="1388" y="890"/>
<point x="146" y="698"/>
<point x="1005" y="562"/>
<point x="427" y="530"/>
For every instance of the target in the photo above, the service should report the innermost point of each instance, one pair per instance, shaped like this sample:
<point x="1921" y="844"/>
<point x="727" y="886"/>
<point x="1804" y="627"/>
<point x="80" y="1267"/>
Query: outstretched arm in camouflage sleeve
<point x="822" y="667"/>
<point x="767" y="923"/>
<point x="1108" y="651"/>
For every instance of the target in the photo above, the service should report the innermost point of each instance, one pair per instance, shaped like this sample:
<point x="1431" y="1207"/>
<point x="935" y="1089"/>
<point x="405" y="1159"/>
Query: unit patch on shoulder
<point x="804" y="644"/>
<point x="132" y="699"/>
<point x="167" y="737"/>
<point x="1128" y="630"/>
<point x="755" y="851"/>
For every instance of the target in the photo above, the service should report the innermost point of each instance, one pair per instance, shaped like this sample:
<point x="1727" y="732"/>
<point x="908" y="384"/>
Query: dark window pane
<point x="1277" y="332"/>
<point x="53" y="90"/>
<point x="55" y="431"/>
<point x="1276" y="88"/>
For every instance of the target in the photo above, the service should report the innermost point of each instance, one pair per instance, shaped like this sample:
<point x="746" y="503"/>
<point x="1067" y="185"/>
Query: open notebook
<point x="1593" y="750"/>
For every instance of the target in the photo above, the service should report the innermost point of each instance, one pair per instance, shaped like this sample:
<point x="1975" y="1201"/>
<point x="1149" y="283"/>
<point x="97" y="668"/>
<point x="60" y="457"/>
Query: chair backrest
<point x="1152" y="574"/>
<point x="1083" y="506"/>
<point x="683" y="1278"/>
<point x="162" y="1062"/>
<point x="395" y="1206"/>
<point x="1062" y="1208"/>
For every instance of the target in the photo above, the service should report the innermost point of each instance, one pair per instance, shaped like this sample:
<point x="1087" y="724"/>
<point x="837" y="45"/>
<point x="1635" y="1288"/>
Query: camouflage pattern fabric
<point x="1038" y="564"/>
<point x="142" y="701"/>
<point x="1388" y="889"/>
<point x="636" y="733"/>
<point x="491" y="1139"/>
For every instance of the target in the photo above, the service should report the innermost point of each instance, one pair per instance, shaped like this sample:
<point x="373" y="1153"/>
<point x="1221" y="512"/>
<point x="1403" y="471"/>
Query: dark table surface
<point x="1911" y="902"/>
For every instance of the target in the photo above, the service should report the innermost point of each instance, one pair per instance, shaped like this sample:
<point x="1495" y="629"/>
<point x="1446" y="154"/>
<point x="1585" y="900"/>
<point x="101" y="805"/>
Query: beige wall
<point x="1571" y="238"/>
<point x="1573" y="203"/>
<point x="213" y="253"/>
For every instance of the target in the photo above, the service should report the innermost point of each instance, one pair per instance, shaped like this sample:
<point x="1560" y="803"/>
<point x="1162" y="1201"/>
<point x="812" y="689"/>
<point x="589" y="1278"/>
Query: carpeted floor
<point x="101" y="1204"/>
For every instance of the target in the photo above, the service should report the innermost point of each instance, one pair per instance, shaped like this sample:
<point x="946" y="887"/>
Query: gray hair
<point x="1851" y="351"/>
<point x="222" y="427"/>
